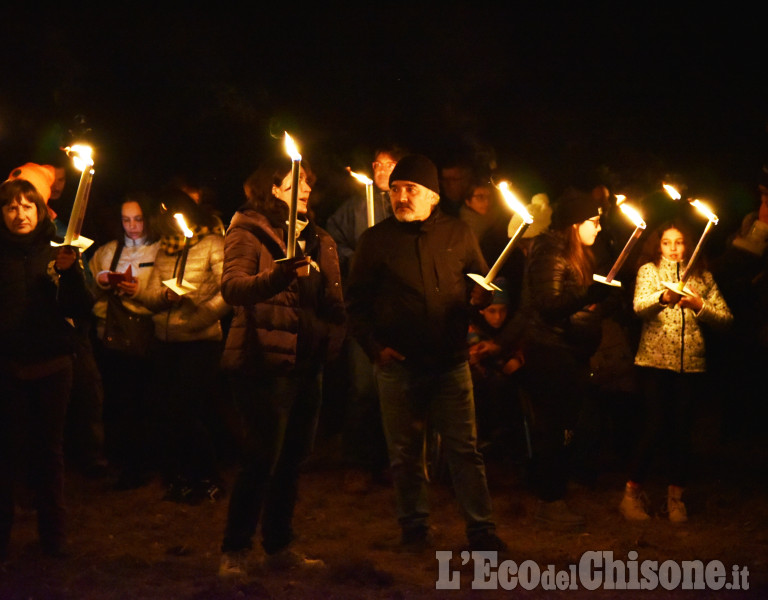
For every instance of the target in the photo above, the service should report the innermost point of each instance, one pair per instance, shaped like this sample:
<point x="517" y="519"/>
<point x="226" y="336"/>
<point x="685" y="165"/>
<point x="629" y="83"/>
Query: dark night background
<point x="558" y="97"/>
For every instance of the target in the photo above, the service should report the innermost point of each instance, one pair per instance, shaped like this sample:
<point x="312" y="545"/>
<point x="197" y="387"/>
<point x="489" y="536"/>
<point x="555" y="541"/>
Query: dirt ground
<point x="132" y="544"/>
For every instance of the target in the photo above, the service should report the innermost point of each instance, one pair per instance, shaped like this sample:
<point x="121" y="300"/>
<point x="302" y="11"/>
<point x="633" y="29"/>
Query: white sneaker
<point x="234" y="565"/>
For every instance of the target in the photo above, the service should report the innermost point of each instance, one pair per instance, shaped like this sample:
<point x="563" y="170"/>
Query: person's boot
<point x="633" y="503"/>
<point x="675" y="505"/>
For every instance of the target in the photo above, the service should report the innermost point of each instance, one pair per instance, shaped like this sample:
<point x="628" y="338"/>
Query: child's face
<point x="495" y="315"/>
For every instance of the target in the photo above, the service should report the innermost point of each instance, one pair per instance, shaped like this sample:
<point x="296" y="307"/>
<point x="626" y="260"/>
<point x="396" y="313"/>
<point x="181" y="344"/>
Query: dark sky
<point x="557" y="96"/>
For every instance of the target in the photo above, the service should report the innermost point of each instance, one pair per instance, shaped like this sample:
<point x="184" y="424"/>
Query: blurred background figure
<point x="187" y="348"/>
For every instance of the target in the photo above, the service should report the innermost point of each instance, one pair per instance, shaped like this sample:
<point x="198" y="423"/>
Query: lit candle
<point x="519" y="208"/>
<point x="640" y="226"/>
<point x="178" y="284"/>
<point x="83" y="161"/>
<point x="293" y="152"/>
<point x="711" y="220"/>
<point x="368" y="195"/>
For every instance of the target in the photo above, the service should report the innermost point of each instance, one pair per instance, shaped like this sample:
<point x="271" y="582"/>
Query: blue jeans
<point x="409" y="399"/>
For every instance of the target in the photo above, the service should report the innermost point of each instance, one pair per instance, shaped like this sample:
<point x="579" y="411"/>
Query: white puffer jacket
<point x="671" y="337"/>
<point x="197" y="316"/>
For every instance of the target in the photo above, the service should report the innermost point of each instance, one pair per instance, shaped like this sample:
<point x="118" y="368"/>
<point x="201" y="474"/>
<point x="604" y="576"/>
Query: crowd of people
<point x="118" y="354"/>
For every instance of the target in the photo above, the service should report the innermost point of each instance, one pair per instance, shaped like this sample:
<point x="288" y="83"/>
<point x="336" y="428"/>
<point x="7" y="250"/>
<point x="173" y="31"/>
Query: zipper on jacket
<point x="682" y="328"/>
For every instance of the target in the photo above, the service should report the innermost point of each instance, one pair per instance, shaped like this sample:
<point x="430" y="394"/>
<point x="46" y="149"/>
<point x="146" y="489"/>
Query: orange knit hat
<point x="41" y="176"/>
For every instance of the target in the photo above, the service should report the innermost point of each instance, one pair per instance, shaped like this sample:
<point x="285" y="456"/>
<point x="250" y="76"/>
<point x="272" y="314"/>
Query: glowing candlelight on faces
<point x="519" y="208"/>
<point x="293" y="152"/>
<point x="178" y="284"/>
<point x="83" y="161"/>
<point x="637" y="220"/>
<point x="368" y="194"/>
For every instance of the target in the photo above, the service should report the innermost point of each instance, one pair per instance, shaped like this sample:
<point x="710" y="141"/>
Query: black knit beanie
<point x="574" y="207"/>
<point x="417" y="169"/>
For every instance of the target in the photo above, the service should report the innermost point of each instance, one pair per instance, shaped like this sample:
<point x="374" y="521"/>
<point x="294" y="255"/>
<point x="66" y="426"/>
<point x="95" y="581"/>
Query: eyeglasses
<point x="384" y="165"/>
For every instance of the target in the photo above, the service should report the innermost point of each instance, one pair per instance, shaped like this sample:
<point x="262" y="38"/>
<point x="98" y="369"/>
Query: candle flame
<point x="291" y="149"/>
<point x="183" y="225"/>
<point x="361" y="178"/>
<point x="705" y="210"/>
<point x="673" y="193"/>
<point x="620" y="198"/>
<point x="514" y="203"/>
<point x="82" y="156"/>
<point x="633" y="214"/>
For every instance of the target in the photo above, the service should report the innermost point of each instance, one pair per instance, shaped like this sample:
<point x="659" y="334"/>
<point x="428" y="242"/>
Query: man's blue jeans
<point x="443" y="400"/>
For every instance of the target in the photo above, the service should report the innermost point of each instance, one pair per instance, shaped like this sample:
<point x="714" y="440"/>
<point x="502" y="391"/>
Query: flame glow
<point x="291" y="149"/>
<point x="360" y="178"/>
<point x="705" y="210"/>
<point x="673" y="193"/>
<point x="514" y="203"/>
<point x="633" y="214"/>
<point x="82" y="156"/>
<point x="183" y="225"/>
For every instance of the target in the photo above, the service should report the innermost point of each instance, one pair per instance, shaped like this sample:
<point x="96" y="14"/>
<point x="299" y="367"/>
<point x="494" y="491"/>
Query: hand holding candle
<point x="712" y="220"/>
<point x="83" y="161"/>
<point x="293" y="152"/>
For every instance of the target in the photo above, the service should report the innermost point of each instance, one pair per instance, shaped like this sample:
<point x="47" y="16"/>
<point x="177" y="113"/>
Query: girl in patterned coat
<point x="672" y="358"/>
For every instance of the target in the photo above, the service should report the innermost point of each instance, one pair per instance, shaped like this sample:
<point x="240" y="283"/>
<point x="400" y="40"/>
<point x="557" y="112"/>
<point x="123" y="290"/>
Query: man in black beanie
<point x="409" y="306"/>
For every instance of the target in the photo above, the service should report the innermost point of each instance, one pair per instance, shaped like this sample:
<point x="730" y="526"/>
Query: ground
<point x="132" y="544"/>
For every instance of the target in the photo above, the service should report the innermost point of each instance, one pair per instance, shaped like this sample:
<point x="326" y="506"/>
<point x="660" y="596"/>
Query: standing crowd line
<point x="118" y="355"/>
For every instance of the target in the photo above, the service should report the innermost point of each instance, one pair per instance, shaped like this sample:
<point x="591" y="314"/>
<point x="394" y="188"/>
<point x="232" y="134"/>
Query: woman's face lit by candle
<point x="673" y="245"/>
<point x="20" y="216"/>
<point x="588" y="230"/>
<point x="133" y="220"/>
<point x="284" y="192"/>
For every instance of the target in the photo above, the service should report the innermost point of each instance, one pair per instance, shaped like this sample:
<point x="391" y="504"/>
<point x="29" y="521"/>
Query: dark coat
<point x="33" y="309"/>
<point x="554" y="303"/>
<point x="271" y="313"/>
<point x="409" y="290"/>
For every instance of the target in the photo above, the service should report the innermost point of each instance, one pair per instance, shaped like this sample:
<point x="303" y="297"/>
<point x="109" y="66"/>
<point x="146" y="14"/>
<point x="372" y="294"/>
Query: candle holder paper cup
<point x="181" y="289"/>
<point x="604" y="279"/>
<point x="82" y="243"/>
<point x="675" y="287"/>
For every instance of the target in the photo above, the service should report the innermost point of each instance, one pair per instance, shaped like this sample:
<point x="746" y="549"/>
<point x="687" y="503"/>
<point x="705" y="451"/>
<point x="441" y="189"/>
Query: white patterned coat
<point x="672" y="337"/>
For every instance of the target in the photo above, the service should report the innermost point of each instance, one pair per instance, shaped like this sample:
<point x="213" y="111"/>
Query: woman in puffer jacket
<point x="560" y="317"/>
<point x="289" y="317"/>
<point x="672" y="358"/>
<point x="188" y="347"/>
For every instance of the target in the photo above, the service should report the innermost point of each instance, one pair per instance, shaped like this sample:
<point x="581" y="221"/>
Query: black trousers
<point x="279" y="416"/>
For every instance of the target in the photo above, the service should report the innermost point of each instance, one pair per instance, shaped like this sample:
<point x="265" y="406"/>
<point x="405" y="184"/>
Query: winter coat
<point x="554" y="303"/>
<point x="141" y="259"/>
<point x="275" y="316"/>
<point x="408" y="289"/>
<point x="35" y="302"/>
<point x="197" y="316"/>
<point x="672" y="337"/>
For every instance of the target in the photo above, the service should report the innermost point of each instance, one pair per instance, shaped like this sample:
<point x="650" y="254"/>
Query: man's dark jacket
<point x="409" y="290"/>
